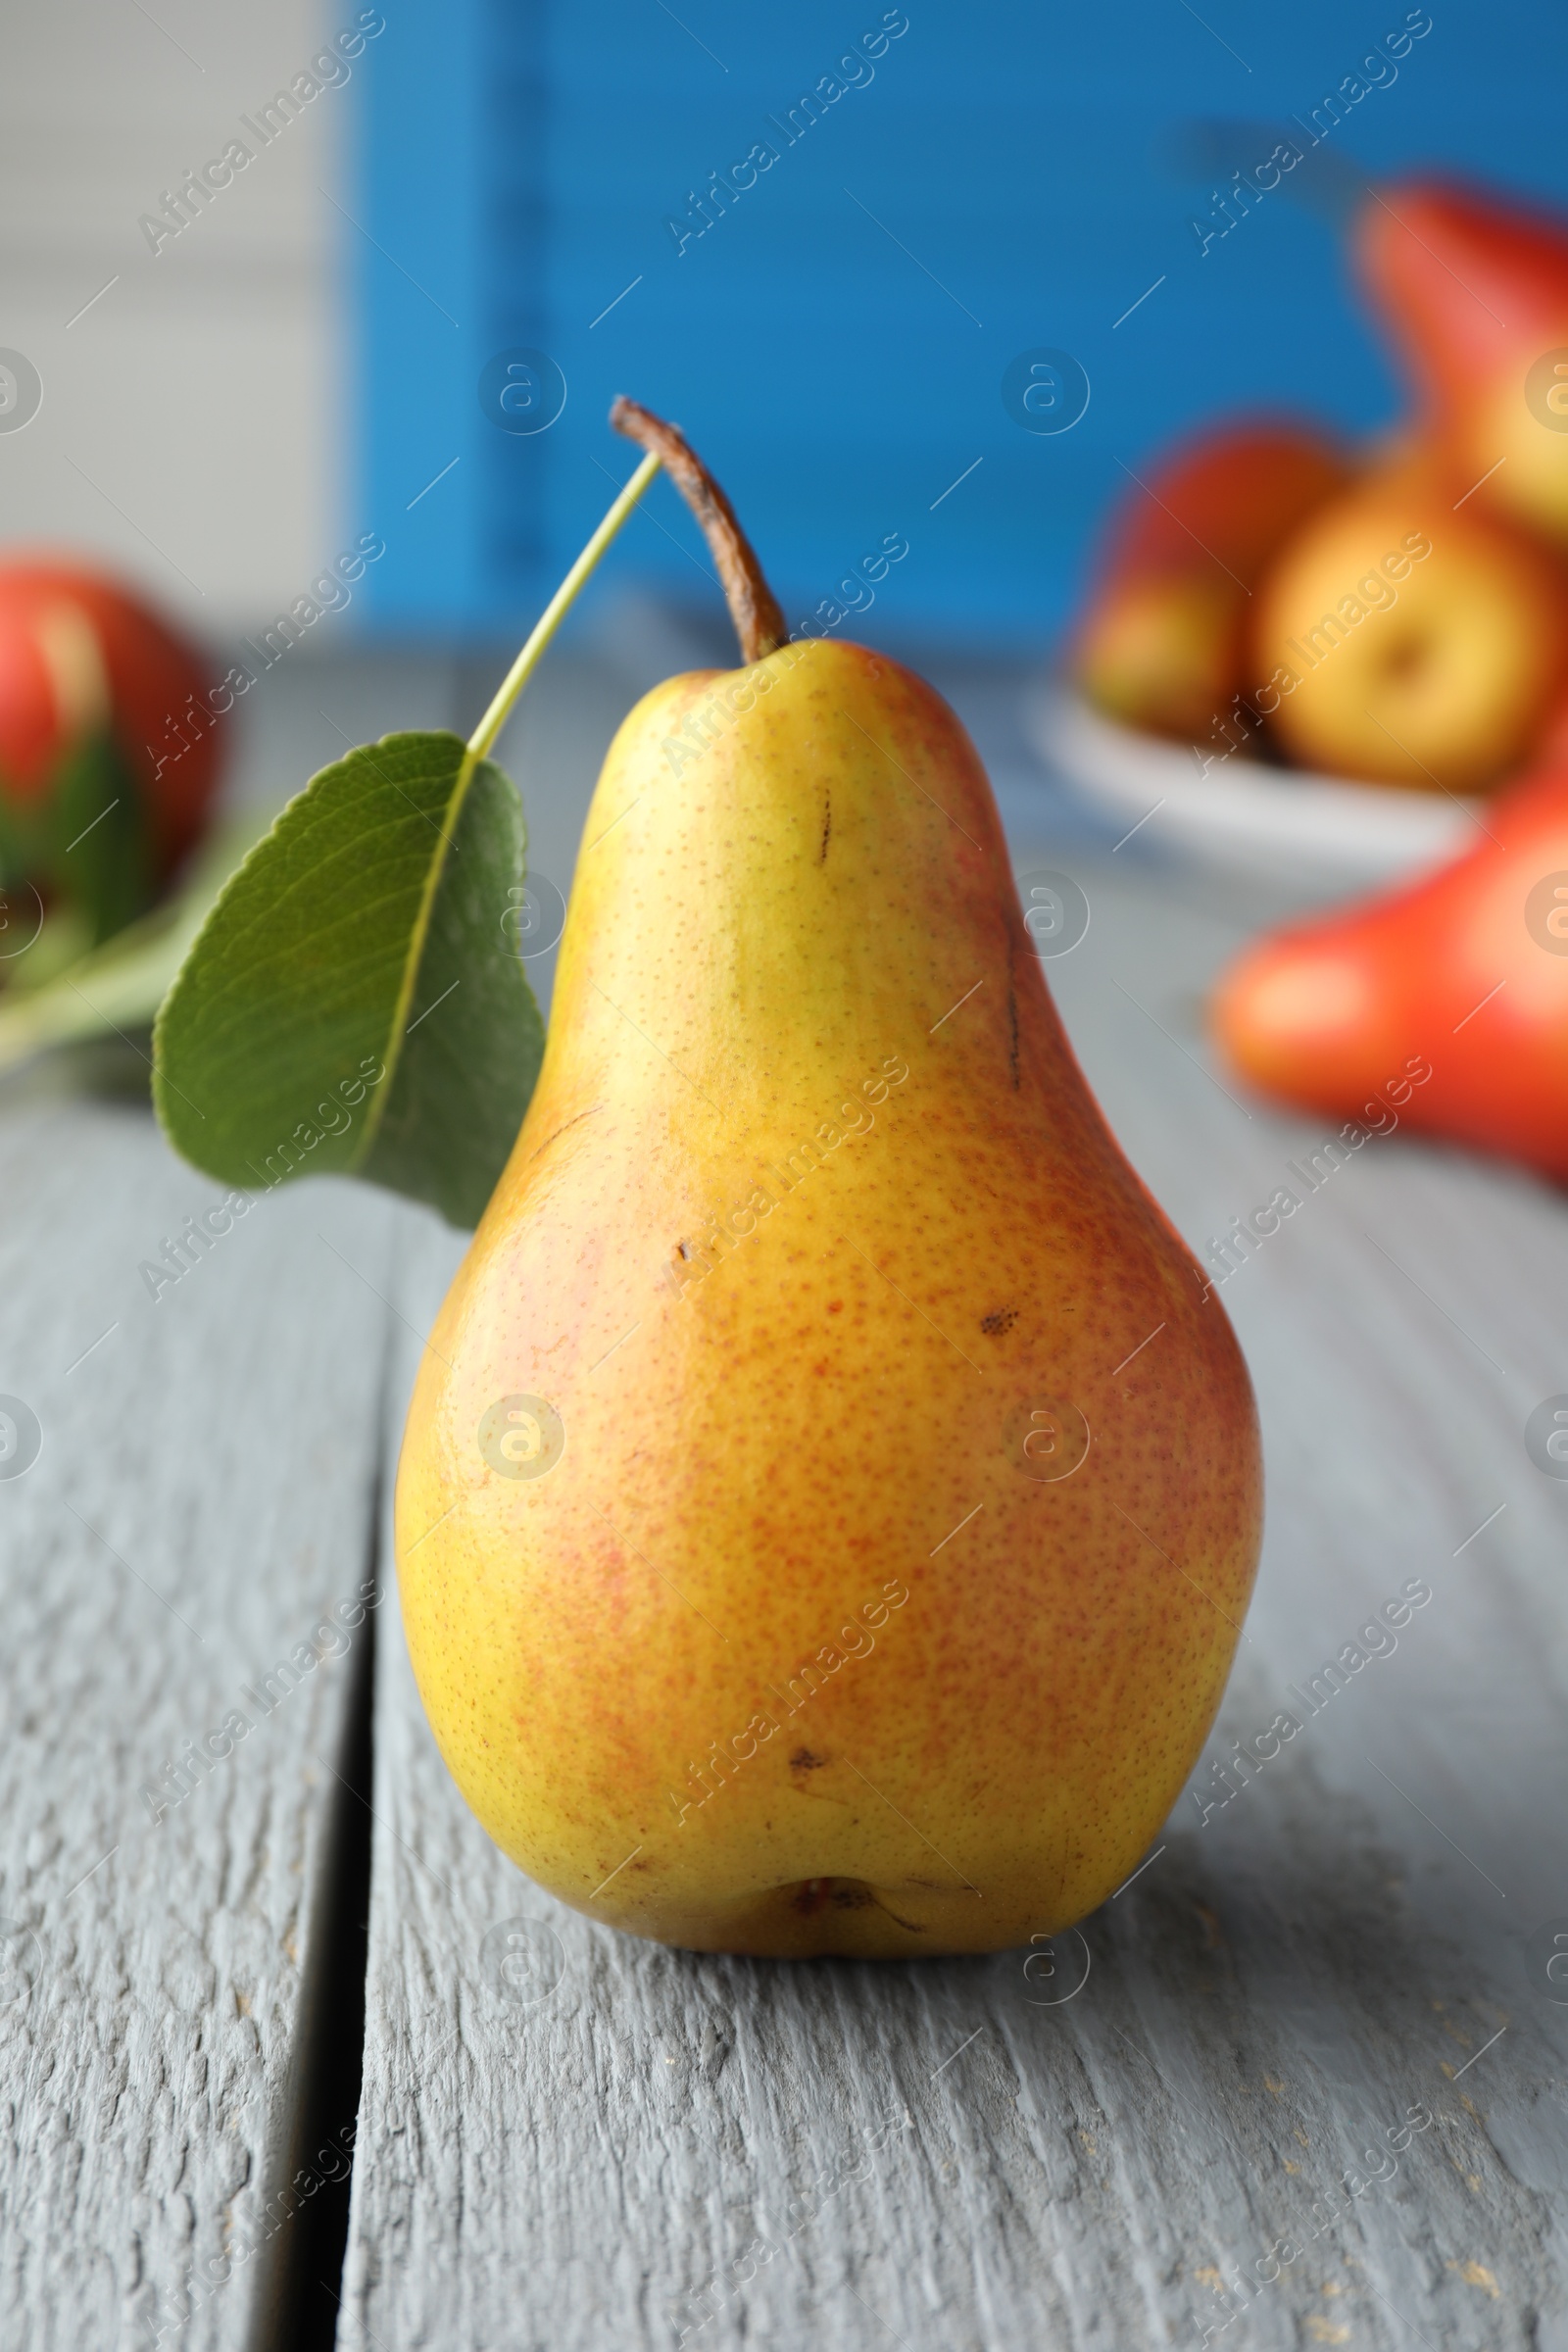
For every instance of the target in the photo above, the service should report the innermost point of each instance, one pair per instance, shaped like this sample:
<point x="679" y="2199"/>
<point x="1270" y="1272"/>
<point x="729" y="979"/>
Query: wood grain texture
<point x="202" y="1497"/>
<point x="617" y="2144"/>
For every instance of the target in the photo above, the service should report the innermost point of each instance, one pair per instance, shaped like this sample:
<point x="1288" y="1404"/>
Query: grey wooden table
<point x="1300" y="2081"/>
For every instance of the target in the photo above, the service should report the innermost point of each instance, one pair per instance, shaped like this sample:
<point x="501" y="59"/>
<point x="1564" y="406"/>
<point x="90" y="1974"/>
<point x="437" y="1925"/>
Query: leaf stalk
<point x="555" y="612"/>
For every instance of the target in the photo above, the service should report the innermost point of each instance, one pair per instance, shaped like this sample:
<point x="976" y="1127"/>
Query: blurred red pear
<point x="1461" y="974"/>
<point x="1160" y="645"/>
<point x="1475" y="290"/>
<point x="83" y="655"/>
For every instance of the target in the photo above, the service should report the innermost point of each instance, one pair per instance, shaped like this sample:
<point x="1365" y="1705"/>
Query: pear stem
<point x="555" y="612"/>
<point x="752" y="607"/>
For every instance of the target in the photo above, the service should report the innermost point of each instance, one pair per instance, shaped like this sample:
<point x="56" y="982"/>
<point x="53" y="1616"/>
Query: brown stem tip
<point x="752" y="606"/>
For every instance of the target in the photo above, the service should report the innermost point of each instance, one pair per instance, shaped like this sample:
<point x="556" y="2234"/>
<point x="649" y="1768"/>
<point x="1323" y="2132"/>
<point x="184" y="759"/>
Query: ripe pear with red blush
<point x="83" y="655"/>
<point x="1161" y="644"/>
<point x="1475" y="290"/>
<point x="1445" y="999"/>
<point x="832" y="1490"/>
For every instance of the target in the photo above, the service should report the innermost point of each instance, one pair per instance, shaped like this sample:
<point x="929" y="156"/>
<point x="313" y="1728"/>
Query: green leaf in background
<point x="101" y="859"/>
<point x="59" y="992"/>
<point x="26" y="836"/>
<point x="352" y="1004"/>
<point x="82" y="839"/>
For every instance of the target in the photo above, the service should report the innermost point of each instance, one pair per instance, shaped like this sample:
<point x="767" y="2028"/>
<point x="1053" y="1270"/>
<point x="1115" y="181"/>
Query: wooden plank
<point x="201" y="1502"/>
<point x="627" y="2145"/>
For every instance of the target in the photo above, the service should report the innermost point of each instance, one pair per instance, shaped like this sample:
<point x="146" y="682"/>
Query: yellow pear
<point x="1398" y="640"/>
<point x="832" y="1490"/>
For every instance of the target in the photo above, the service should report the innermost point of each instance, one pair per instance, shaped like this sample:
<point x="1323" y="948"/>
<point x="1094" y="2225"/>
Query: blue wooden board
<point x="997" y="181"/>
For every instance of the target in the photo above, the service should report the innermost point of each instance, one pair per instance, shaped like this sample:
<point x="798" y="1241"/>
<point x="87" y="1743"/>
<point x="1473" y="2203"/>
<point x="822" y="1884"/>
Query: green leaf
<point x="59" y="993"/>
<point x="26" y="836"/>
<point x="352" y="1005"/>
<point x="83" y="839"/>
<point x="101" y="859"/>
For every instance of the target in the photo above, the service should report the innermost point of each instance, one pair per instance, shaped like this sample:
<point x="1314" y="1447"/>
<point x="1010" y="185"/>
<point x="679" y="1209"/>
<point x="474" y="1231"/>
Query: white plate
<point x="1242" y="813"/>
